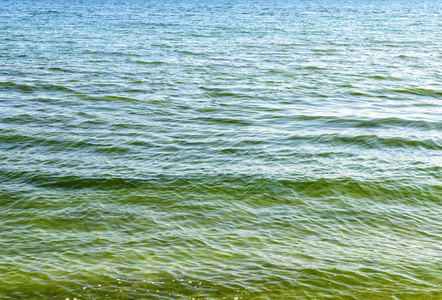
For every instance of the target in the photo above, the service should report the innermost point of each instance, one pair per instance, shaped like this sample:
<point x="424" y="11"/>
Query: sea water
<point x="185" y="149"/>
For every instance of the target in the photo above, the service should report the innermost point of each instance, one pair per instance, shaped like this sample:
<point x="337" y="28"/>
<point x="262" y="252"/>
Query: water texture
<point x="220" y="149"/>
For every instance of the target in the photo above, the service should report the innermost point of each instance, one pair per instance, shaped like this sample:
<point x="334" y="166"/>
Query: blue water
<point x="220" y="149"/>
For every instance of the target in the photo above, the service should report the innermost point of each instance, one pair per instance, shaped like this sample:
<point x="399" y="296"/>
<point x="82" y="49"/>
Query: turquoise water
<point x="220" y="149"/>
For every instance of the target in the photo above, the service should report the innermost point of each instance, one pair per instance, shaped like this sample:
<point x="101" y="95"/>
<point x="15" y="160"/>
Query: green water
<point x="220" y="150"/>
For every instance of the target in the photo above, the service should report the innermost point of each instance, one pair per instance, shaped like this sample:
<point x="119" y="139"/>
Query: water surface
<point x="220" y="149"/>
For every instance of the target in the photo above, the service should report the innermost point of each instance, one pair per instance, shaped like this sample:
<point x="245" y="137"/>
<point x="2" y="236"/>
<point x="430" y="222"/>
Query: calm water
<point x="220" y="149"/>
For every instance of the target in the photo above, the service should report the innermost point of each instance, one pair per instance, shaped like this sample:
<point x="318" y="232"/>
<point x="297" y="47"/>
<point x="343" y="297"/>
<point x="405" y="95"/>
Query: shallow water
<point x="220" y="150"/>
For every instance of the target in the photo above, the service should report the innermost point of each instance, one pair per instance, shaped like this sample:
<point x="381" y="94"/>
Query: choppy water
<point x="220" y="149"/>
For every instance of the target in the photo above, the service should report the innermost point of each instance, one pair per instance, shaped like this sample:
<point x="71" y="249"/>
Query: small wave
<point x="105" y="98"/>
<point x="54" y="87"/>
<point x="251" y="187"/>
<point x="114" y="149"/>
<point x="371" y="141"/>
<point x="155" y="63"/>
<point x="9" y="85"/>
<point x="221" y="93"/>
<point x="16" y="140"/>
<point x="313" y="68"/>
<point x="186" y="52"/>
<point x="39" y="179"/>
<point x="416" y="91"/>
<point x="383" y="190"/>
<point x="104" y="53"/>
<point x="61" y="70"/>
<point x="225" y="120"/>
<point x="18" y="119"/>
<point x="372" y="122"/>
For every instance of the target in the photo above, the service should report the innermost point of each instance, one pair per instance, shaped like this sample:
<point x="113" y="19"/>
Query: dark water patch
<point x="313" y="68"/>
<point x="59" y="69"/>
<point x="225" y="120"/>
<point x="51" y="144"/>
<point x="237" y="151"/>
<point x="242" y="187"/>
<point x="9" y="85"/>
<point x="434" y="171"/>
<point x="333" y="154"/>
<point x="376" y="190"/>
<point x="135" y="91"/>
<point x="114" y="150"/>
<point x="20" y="119"/>
<point x="106" y="98"/>
<point x="222" y="94"/>
<point x="374" y="141"/>
<point x="136" y="129"/>
<point x="74" y="182"/>
<point x="35" y="87"/>
<point x="106" y="54"/>
<point x="23" y="140"/>
<point x="213" y="92"/>
<point x="15" y="139"/>
<point x="384" y="77"/>
<point x="153" y="63"/>
<point x="415" y="91"/>
<point x="359" y="94"/>
<point x="370" y="141"/>
<point x="54" y="87"/>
